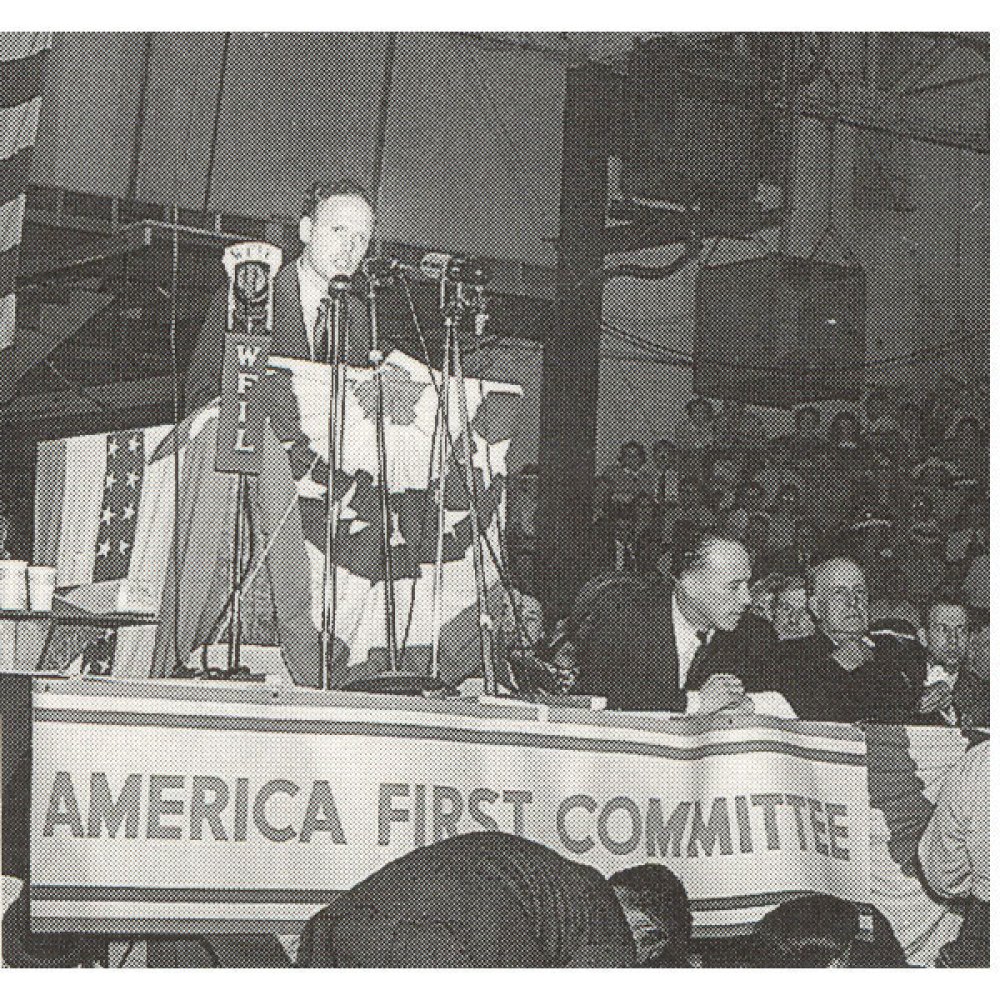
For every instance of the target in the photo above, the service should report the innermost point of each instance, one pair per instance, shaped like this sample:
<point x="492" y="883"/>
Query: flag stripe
<point x="21" y="79"/>
<point x="8" y="269"/>
<point x="50" y="487"/>
<point x="329" y="727"/>
<point x="18" y="127"/>
<point x="83" y="493"/>
<point x="6" y="321"/>
<point x="21" y="44"/>
<point x="23" y="57"/>
<point x="11" y="222"/>
<point x="14" y="174"/>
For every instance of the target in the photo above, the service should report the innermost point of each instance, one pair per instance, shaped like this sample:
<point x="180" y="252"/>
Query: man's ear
<point x="305" y="228"/>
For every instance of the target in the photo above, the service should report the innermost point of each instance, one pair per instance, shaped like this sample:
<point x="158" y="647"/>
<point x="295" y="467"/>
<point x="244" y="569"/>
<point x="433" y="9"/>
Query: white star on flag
<point x="128" y="512"/>
<point x="347" y="512"/>
<point x="134" y="442"/>
<point x="106" y="515"/>
<point x="123" y="546"/>
<point x="104" y="549"/>
<point x="112" y="447"/>
<point x="452" y="518"/>
<point x="397" y="538"/>
<point x="109" y="481"/>
<point x="132" y="478"/>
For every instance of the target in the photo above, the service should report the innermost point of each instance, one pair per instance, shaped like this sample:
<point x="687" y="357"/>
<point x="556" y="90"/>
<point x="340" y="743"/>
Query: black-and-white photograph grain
<point x="494" y="499"/>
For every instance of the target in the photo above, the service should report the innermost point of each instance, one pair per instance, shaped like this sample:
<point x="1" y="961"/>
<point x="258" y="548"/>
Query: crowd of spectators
<point x="543" y="910"/>
<point x="843" y="568"/>
<point x="889" y="512"/>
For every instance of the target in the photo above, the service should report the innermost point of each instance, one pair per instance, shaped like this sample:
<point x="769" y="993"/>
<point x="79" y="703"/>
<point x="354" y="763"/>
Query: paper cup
<point x="13" y="585"/>
<point x="41" y="587"/>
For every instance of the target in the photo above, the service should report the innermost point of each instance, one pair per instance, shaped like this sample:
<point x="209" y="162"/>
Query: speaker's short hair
<point x="319" y="191"/>
<point x="694" y="556"/>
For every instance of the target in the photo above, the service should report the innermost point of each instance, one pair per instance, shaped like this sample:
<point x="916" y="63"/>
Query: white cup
<point x="13" y="585"/>
<point x="41" y="587"/>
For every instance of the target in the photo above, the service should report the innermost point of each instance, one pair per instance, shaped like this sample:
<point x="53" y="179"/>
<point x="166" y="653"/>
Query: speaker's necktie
<point x="321" y="332"/>
<point x="699" y="653"/>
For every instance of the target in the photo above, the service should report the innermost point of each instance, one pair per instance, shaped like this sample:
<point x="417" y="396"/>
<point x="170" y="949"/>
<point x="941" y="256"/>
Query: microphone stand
<point x="376" y="358"/>
<point x="393" y="680"/>
<point x="444" y="433"/>
<point x="236" y="579"/>
<point x="336" y="323"/>
<point x="489" y="647"/>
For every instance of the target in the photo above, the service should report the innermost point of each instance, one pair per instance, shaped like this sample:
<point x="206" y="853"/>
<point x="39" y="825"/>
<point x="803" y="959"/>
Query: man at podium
<point x="336" y="227"/>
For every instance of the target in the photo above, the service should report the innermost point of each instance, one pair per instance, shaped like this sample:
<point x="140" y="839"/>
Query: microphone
<point x="340" y="284"/>
<point x="449" y="267"/>
<point x="381" y="272"/>
<point x="435" y="265"/>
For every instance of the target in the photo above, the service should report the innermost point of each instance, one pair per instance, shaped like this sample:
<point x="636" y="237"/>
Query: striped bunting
<point x="23" y="56"/>
<point x="97" y="498"/>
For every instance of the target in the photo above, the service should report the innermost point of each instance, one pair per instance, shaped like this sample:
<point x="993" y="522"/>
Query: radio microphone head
<point x="380" y="271"/>
<point x="446" y="267"/>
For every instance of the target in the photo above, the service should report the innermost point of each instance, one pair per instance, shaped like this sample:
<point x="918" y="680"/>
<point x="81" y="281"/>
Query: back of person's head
<point x="811" y="932"/>
<point x="655" y="893"/>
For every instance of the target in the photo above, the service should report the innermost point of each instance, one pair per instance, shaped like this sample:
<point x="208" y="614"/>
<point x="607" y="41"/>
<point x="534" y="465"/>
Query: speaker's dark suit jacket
<point x="290" y="339"/>
<point x="628" y="654"/>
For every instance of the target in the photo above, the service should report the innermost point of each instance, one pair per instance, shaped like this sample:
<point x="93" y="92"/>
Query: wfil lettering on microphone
<point x="202" y="807"/>
<point x="246" y="378"/>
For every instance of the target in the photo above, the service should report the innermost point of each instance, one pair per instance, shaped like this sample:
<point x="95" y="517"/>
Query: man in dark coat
<point x="650" y="645"/>
<point x="335" y="228"/>
<point x="485" y="900"/>
<point x="953" y="694"/>
<point x="843" y="674"/>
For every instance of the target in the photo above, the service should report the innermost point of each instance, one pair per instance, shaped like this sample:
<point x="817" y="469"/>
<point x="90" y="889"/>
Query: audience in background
<point x="784" y="514"/>
<point x="790" y="609"/>
<point x="953" y="694"/>
<point x="663" y="478"/>
<point x="811" y="932"/>
<point x="621" y="483"/>
<point x="965" y="449"/>
<point x="796" y="558"/>
<point x="695" y="433"/>
<point x="842" y="673"/>
<point x="807" y="439"/>
<point x="656" y="907"/>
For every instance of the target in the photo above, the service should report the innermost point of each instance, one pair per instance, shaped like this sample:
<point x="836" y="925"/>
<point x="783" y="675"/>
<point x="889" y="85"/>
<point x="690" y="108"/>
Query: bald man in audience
<point x="687" y="645"/>
<point x="843" y="674"/>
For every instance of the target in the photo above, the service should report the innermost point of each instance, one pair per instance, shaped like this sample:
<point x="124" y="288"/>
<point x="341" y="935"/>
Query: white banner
<point x="157" y="814"/>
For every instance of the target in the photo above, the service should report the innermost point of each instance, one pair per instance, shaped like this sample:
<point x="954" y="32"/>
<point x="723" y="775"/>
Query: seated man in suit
<point x="843" y="674"/>
<point x="335" y="228"/>
<point x="953" y="694"/>
<point x="650" y="645"/>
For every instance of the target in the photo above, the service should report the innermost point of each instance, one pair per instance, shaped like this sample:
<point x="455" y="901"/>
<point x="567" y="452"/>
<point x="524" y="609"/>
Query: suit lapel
<point x="290" y="338"/>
